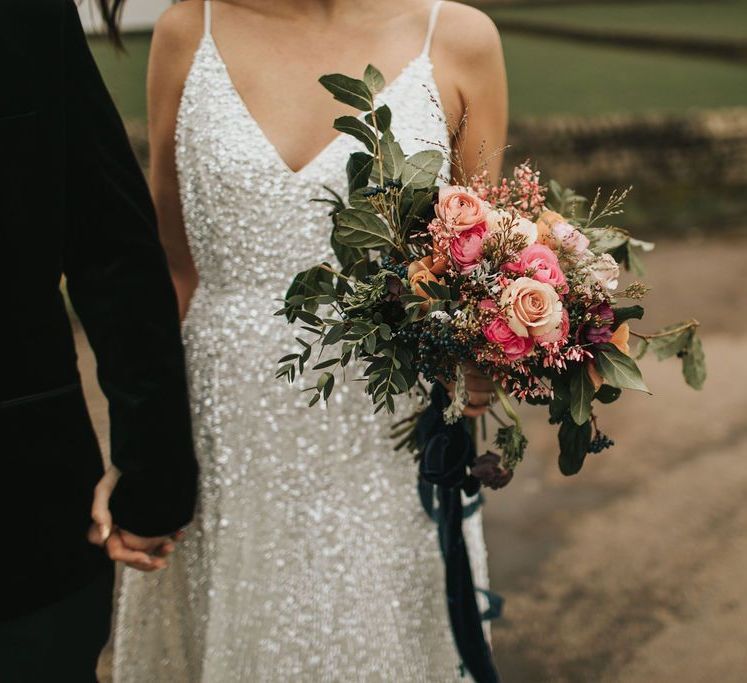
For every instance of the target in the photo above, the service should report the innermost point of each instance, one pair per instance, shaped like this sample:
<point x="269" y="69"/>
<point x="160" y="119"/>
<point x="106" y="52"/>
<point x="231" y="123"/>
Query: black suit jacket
<point x="73" y="202"/>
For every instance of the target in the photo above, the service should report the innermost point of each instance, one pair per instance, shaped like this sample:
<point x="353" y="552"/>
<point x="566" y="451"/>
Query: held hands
<point x="147" y="554"/>
<point x="480" y="390"/>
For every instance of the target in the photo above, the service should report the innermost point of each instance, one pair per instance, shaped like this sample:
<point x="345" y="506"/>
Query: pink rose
<point x="458" y="209"/>
<point x="569" y="238"/>
<point x="533" y="308"/>
<point x="559" y="333"/>
<point x="513" y="345"/>
<point x="539" y="262"/>
<point x="466" y="247"/>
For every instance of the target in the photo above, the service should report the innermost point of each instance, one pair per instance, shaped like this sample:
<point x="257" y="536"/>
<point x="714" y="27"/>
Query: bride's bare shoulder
<point x="467" y="33"/>
<point x="180" y="26"/>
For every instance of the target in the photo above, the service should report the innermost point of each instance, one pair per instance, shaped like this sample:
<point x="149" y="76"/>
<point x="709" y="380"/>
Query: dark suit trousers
<point x="60" y="642"/>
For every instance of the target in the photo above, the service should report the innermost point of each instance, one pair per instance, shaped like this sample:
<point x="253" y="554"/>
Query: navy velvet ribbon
<point x="446" y="452"/>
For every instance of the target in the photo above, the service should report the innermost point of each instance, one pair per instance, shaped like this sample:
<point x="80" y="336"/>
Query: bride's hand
<point x="480" y="391"/>
<point x="144" y="553"/>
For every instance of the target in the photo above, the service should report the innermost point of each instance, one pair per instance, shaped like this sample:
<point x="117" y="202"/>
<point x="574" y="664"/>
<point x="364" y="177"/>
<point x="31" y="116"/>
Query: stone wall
<point x="703" y="148"/>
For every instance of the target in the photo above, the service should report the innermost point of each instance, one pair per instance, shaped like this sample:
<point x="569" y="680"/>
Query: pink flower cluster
<point x="523" y="192"/>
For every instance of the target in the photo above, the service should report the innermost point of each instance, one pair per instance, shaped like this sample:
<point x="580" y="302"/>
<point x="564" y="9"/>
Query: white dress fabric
<point x="310" y="558"/>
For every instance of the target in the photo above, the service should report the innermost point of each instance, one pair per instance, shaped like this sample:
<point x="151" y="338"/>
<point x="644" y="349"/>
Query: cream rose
<point x="533" y="308"/>
<point x="499" y="221"/>
<point x="605" y="270"/>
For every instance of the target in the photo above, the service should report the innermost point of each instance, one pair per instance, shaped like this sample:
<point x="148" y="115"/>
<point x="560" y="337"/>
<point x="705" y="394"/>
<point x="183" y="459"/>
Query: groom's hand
<point x="139" y="552"/>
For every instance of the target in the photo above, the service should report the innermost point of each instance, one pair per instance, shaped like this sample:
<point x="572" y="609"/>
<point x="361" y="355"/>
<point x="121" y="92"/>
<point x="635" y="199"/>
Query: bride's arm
<point x="467" y="49"/>
<point x="175" y="39"/>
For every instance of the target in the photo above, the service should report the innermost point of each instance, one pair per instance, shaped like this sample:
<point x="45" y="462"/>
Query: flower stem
<point x="690" y="324"/>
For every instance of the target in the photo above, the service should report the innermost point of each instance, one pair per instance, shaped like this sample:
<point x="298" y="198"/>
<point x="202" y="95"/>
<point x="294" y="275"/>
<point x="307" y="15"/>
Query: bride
<point x="311" y="558"/>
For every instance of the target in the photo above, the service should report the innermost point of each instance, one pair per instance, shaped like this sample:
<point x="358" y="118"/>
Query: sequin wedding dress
<point x="311" y="558"/>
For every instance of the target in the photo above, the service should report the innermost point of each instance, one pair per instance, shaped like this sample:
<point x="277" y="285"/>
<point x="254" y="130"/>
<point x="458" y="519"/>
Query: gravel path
<point x="634" y="570"/>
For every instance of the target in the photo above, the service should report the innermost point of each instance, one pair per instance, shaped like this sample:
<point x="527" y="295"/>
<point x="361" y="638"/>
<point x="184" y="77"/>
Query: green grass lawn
<point x="546" y="76"/>
<point x="707" y="18"/>
<point x="125" y="73"/>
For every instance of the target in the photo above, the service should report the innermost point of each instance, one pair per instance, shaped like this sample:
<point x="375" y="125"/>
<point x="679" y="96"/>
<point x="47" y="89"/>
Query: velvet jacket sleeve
<point x="119" y="285"/>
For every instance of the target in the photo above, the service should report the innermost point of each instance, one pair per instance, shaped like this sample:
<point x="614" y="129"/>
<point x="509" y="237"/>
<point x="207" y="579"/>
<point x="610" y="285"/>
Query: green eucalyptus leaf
<point x="421" y="169"/>
<point x="358" y="200"/>
<point x="362" y="229"/>
<point x="351" y="125"/>
<point x="693" y="362"/>
<point x="618" y="369"/>
<point x="574" y="441"/>
<point x="627" y="313"/>
<point x="383" y="118"/>
<point x="348" y="90"/>
<point x="582" y="394"/>
<point x="359" y="170"/>
<point x="607" y="394"/>
<point x="670" y="345"/>
<point x="374" y="79"/>
<point x="326" y="363"/>
<point x="392" y="156"/>
<point x="323" y="380"/>
<point x="641" y="350"/>
<point x="419" y="211"/>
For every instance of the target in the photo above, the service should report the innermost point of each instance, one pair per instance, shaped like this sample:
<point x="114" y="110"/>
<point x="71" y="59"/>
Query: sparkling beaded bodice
<point x="250" y="219"/>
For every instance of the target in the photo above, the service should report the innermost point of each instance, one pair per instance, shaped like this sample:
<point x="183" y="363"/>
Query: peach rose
<point x="560" y="333"/>
<point x="533" y="308"/>
<point x="458" y="209"/>
<point x="466" y="247"/>
<point x="621" y="340"/>
<point x="539" y="262"/>
<point x="544" y="227"/>
<point x="417" y="273"/>
<point x="438" y="261"/>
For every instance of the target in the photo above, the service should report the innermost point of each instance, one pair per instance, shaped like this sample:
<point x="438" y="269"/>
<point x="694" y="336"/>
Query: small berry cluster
<point x="400" y="269"/>
<point x="437" y="351"/>
<point x="600" y="442"/>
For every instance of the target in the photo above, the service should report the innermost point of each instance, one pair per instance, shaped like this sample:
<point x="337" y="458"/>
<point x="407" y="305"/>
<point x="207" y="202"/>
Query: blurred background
<point x="634" y="570"/>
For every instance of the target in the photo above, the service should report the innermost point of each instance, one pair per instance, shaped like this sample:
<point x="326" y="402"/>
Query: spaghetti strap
<point x="207" y="17"/>
<point x="431" y="26"/>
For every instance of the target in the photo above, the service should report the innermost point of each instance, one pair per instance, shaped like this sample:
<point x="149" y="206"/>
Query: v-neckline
<point x="208" y="38"/>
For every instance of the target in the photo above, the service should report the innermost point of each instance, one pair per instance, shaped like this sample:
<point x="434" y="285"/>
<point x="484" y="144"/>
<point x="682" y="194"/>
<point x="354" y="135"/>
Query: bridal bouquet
<point x="516" y="279"/>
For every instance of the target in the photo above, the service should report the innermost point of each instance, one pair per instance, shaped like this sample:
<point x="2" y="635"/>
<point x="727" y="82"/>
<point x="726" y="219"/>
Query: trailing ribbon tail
<point x="446" y="452"/>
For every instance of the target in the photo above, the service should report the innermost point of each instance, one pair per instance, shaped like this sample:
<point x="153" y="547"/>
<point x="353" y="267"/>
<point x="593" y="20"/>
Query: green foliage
<point x="359" y="170"/>
<point x="513" y="444"/>
<point x="374" y="79"/>
<point x="681" y="340"/>
<point x="421" y="169"/>
<point x="693" y="362"/>
<point x="627" y="313"/>
<point x="574" y="441"/>
<point x="351" y="91"/>
<point x="582" y="394"/>
<point x="359" y="130"/>
<point x="361" y="229"/>
<point x="564" y="200"/>
<point x="392" y="156"/>
<point x="618" y="369"/>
